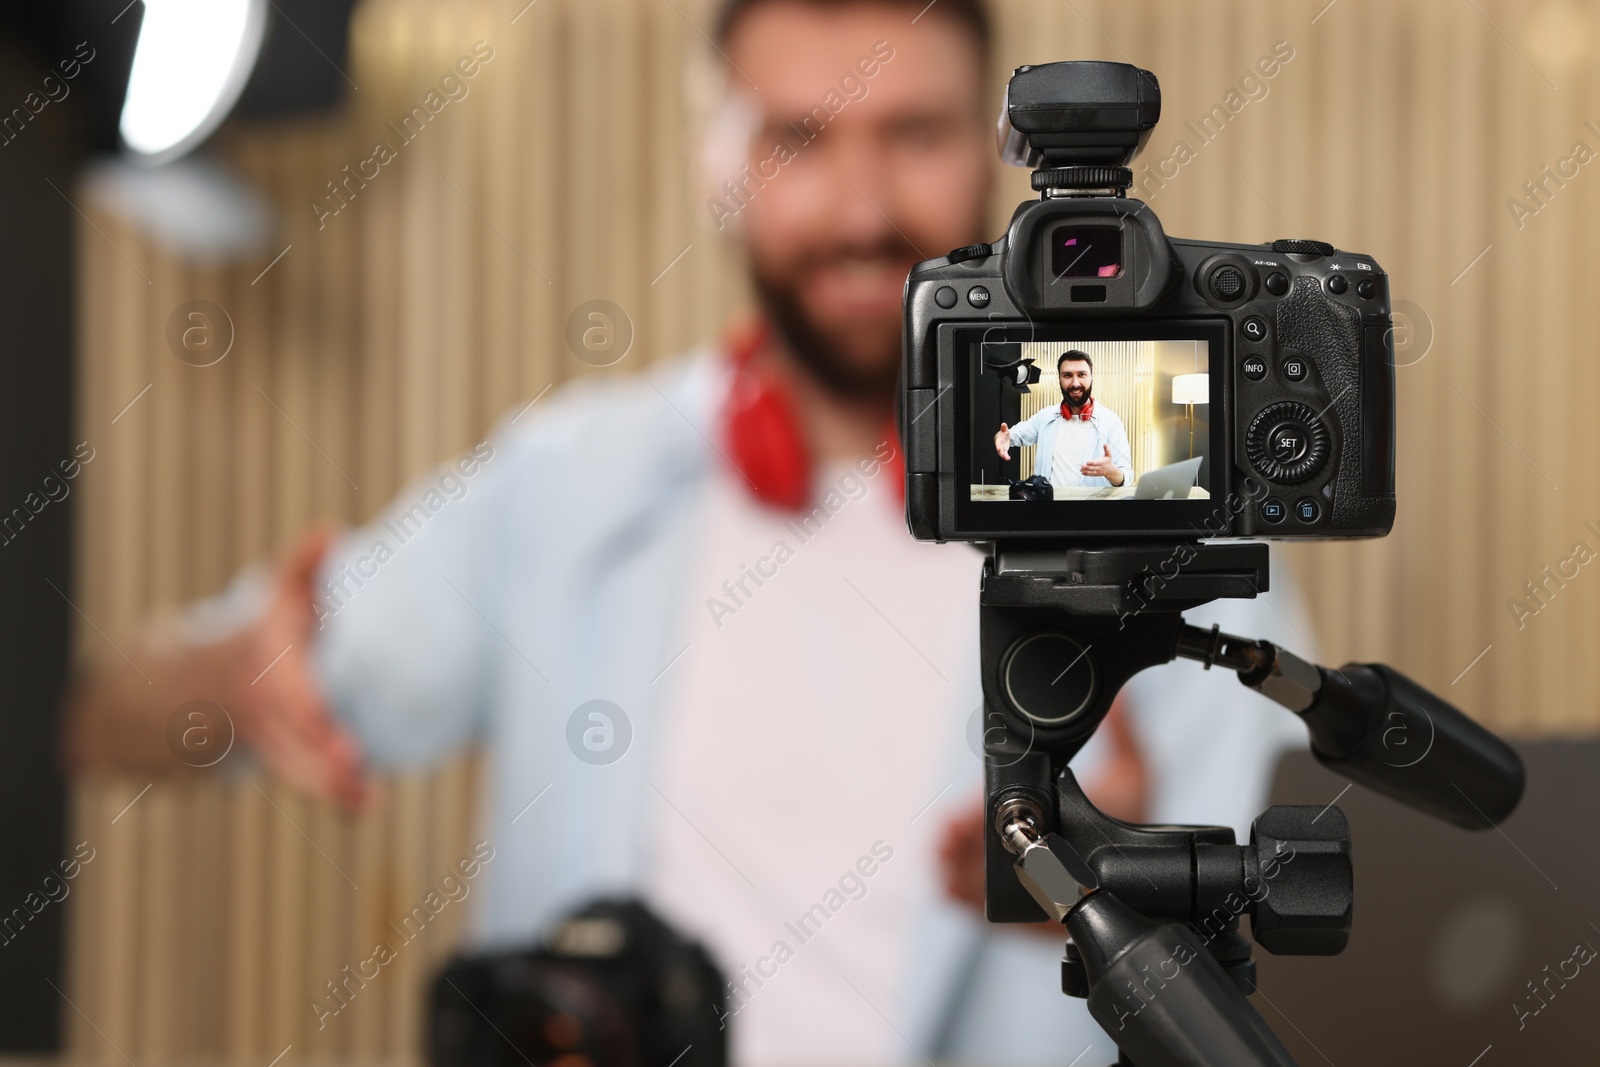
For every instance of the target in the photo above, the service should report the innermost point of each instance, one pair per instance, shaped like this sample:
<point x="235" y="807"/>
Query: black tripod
<point x="1153" y="911"/>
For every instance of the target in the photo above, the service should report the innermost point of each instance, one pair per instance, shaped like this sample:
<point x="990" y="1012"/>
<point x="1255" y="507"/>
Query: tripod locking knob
<point x="1298" y="873"/>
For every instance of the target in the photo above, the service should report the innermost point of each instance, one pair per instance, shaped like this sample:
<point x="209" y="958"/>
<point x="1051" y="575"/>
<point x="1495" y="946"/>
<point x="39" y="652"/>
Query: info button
<point x="1254" y="368"/>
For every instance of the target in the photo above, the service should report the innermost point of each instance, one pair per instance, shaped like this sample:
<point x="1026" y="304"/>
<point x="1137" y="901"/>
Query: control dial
<point x="1301" y="247"/>
<point x="1287" y="442"/>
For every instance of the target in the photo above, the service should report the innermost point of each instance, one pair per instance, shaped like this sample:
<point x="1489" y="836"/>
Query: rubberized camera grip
<point x="1329" y="333"/>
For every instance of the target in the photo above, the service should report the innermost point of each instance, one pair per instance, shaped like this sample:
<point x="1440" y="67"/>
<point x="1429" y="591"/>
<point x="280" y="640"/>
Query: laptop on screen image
<point x="1171" y="482"/>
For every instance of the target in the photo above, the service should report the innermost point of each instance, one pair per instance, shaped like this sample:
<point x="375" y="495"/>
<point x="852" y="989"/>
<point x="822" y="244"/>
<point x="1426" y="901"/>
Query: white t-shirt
<point x="799" y="798"/>
<point x="1073" y="438"/>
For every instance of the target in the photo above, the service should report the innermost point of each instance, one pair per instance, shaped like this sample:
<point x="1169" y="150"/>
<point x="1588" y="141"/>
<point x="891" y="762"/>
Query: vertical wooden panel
<point x="244" y="967"/>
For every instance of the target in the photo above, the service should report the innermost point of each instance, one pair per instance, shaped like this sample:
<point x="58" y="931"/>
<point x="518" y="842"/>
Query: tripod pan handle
<point x="1371" y="723"/>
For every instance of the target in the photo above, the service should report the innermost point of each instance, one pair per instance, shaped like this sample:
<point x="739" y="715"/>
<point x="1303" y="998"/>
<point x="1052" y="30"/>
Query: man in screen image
<point x="1080" y="444"/>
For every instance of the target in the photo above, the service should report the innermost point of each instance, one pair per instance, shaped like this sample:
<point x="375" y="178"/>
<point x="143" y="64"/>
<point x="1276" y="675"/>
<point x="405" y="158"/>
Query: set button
<point x="1288" y="441"/>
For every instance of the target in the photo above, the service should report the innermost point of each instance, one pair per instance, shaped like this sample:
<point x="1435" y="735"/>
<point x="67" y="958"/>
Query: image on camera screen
<point x="1091" y="420"/>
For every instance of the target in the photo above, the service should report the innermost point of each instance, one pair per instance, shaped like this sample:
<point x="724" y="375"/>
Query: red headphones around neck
<point x="762" y="433"/>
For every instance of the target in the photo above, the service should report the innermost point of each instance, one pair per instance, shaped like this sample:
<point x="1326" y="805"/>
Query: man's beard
<point x="822" y="355"/>
<point x="1078" y="405"/>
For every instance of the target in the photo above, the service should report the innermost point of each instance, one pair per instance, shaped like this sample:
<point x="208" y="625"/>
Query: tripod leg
<point x="1158" y="993"/>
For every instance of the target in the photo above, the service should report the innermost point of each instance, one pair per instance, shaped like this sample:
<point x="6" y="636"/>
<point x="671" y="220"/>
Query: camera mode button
<point x="1272" y="509"/>
<point x="945" y="297"/>
<point x="1254" y="368"/>
<point x="1306" y="509"/>
<point x="966" y="252"/>
<point x="1254" y="328"/>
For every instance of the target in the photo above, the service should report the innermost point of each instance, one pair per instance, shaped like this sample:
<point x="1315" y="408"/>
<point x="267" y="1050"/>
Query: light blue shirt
<point x="1039" y="430"/>
<point x="554" y="574"/>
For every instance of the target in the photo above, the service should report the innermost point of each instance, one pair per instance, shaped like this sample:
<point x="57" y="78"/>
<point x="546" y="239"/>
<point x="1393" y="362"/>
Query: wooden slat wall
<point x="395" y="335"/>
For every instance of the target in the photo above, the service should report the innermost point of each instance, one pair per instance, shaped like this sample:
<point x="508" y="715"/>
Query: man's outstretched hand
<point x="1102" y="467"/>
<point x="272" y="695"/>
<point x="120" y="715"/>
<point x="1002" y="441"/>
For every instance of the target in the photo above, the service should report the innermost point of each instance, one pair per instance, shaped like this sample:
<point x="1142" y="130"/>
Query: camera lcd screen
<point x="1086" y="252"/>
<point x="1114" y="432"/>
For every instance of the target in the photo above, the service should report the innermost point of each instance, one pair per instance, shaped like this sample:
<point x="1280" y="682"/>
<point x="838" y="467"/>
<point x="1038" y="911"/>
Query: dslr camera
<point x="1091" y="399"/>
<point x="1088" y="376"/>
<point x="612" y="985"/>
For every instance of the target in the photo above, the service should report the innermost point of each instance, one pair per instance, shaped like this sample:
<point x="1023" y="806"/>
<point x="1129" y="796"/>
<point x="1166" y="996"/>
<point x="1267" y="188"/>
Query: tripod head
<point x="1061" y="630"/>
